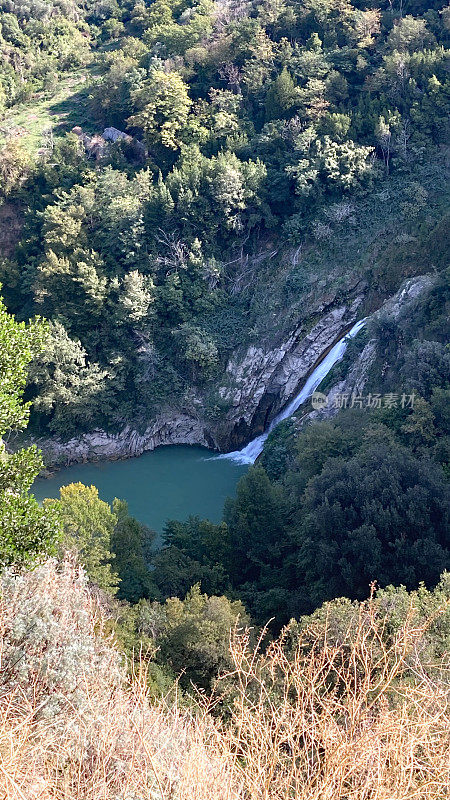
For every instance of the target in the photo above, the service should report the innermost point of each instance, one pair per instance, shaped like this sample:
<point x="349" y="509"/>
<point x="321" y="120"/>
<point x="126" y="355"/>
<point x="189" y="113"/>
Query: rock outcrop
<point x="262" y="381"/>
<point x="99" y="445"/>
<point x="258" y="383"/>
<point x="355" y="381"/>
<point x="96" y="146"/>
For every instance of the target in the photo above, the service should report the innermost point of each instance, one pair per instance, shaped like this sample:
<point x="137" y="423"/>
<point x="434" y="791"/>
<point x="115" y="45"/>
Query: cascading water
<point x="253" y="449"/>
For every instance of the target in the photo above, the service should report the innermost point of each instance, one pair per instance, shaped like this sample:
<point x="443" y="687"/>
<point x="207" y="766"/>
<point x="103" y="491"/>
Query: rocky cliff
<point x="357" y="376"/>
<point x="263" y="380"/>
<point x="257" y="384"/>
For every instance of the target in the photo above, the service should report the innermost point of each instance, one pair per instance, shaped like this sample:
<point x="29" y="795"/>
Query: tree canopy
<point x="28" y="531"/>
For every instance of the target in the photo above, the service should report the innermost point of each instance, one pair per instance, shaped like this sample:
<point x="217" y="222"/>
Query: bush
<point x="339" y="717"/>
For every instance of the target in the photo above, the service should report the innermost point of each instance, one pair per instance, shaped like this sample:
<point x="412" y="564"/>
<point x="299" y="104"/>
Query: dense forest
<point x="251" y="132"/>
<point x="180" y="181"/>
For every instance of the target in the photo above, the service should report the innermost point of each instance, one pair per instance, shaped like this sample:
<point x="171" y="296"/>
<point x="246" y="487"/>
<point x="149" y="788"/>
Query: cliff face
<point x="260" y="382"/>
<point x="356" y="378"/>
<point x="257" y="384"/>
<point x="171" y="427"/>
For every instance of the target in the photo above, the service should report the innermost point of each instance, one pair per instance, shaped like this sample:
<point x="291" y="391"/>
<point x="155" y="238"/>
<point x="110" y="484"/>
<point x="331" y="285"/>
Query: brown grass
<point x="356" y="720"/>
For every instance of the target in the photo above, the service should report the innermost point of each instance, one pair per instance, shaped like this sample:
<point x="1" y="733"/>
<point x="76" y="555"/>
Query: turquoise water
<point x="167" y="483"/>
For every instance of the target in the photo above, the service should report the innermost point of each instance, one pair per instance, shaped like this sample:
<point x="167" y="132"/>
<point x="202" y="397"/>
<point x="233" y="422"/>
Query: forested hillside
<point x="276" y="153"/>
<point x="198" y="200"/>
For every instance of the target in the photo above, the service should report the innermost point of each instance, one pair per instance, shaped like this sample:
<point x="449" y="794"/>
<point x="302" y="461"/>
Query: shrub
<point x="331" y="717"/>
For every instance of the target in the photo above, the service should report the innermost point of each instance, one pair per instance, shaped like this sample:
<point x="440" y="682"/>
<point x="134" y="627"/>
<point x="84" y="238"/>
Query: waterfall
<point x="253" y="449"/>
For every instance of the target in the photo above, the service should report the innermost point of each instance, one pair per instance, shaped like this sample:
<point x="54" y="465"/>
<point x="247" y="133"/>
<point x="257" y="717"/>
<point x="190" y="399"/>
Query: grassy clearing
<point x="56" y="110"/>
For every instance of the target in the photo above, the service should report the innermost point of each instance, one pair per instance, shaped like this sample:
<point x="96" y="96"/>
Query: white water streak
<point x="250" y="452"/>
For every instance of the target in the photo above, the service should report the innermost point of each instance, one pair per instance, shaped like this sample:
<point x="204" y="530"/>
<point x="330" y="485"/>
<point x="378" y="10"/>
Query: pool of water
<point x="167" y="483"/>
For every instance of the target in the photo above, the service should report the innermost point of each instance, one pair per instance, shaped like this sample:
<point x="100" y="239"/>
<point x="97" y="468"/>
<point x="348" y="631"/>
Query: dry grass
<point x="359" y="720"/>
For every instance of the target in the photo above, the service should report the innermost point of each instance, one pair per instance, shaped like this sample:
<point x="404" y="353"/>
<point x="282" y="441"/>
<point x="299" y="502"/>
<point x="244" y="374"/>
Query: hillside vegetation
<point x="352" y="708"/>
<point x="179" y="179"/>
<point x="350" y="702"/>
<point x="277" y="154"/>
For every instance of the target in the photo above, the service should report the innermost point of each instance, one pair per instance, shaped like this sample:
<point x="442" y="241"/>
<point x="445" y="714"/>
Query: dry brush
<point x="359" y="718"/>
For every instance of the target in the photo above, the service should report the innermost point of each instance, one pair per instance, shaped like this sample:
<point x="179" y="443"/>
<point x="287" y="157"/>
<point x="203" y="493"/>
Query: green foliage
<point x="14" y="167"/>
<point x="165" y="105"/>
<point x="19" y="342"/>
<point x="113" y="547"/>
<point x="68" y="388"/>
<point x="131" y="543"/>
<point x="195" y="551"/>
<point x="281" y="96"/>
<point x="339" y="619"/>
<point x="197" y="348"/>
<point x="28" y="532"/>
<point x="88" y="526"/>
<point x="278" y="120"/>
<point x="195" y="635"/>
<point x="255" y="521"/>
<point x="187" y="638"/>
<point x="380" y="515"/>
<point x="338" y="504"/>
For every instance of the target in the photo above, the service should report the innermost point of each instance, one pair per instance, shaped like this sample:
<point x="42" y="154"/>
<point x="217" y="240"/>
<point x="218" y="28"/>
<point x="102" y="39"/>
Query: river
<point x="174" y="482"/>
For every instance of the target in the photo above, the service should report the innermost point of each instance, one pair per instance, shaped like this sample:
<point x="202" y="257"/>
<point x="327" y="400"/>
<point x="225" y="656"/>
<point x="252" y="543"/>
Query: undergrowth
<point x="357" y="716"/>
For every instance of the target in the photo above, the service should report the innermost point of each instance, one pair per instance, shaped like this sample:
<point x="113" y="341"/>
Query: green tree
<point x="281" y="96"/>
<point x="136" y="297"/>
<point x="72" y="288"/>
<point x="236" y="188"/>
<point x="195" y="551"/>
<point x="198" y="349"/>
<point x="409" y="34"/>
<point x="131" y="543"/>
<point x="68" y="388"/>
<point x="15" y="166"/>
<point x="194" y="636"/>
<point x="165" y="106"/>
<point x="338" y="620"/>
<point x="88" y="526"/>
<point x="426" y="365"/>
<point x="28" y="531"/>
<point x="257" y="525"/>
<point x="382" y="515"/>
<point x="110" y="95"/>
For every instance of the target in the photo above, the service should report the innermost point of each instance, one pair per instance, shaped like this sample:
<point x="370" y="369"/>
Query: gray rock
<point x="355" y="381"/>
<point x="114" y="135"/>
<point x="263" y="380"/>
<point x="102" y="446"/>
<point x="258" y="383"/>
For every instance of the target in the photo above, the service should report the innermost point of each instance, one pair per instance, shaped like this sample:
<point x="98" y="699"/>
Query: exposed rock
<point x="355" y="381"/>
<point x="264" y="380"/>
<point x="96" y="145"/>
<point x="114" y="135"/>
<point x="101" y="446"/>
<point x="399" y="303"/>
<point x="259" y="382"/>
